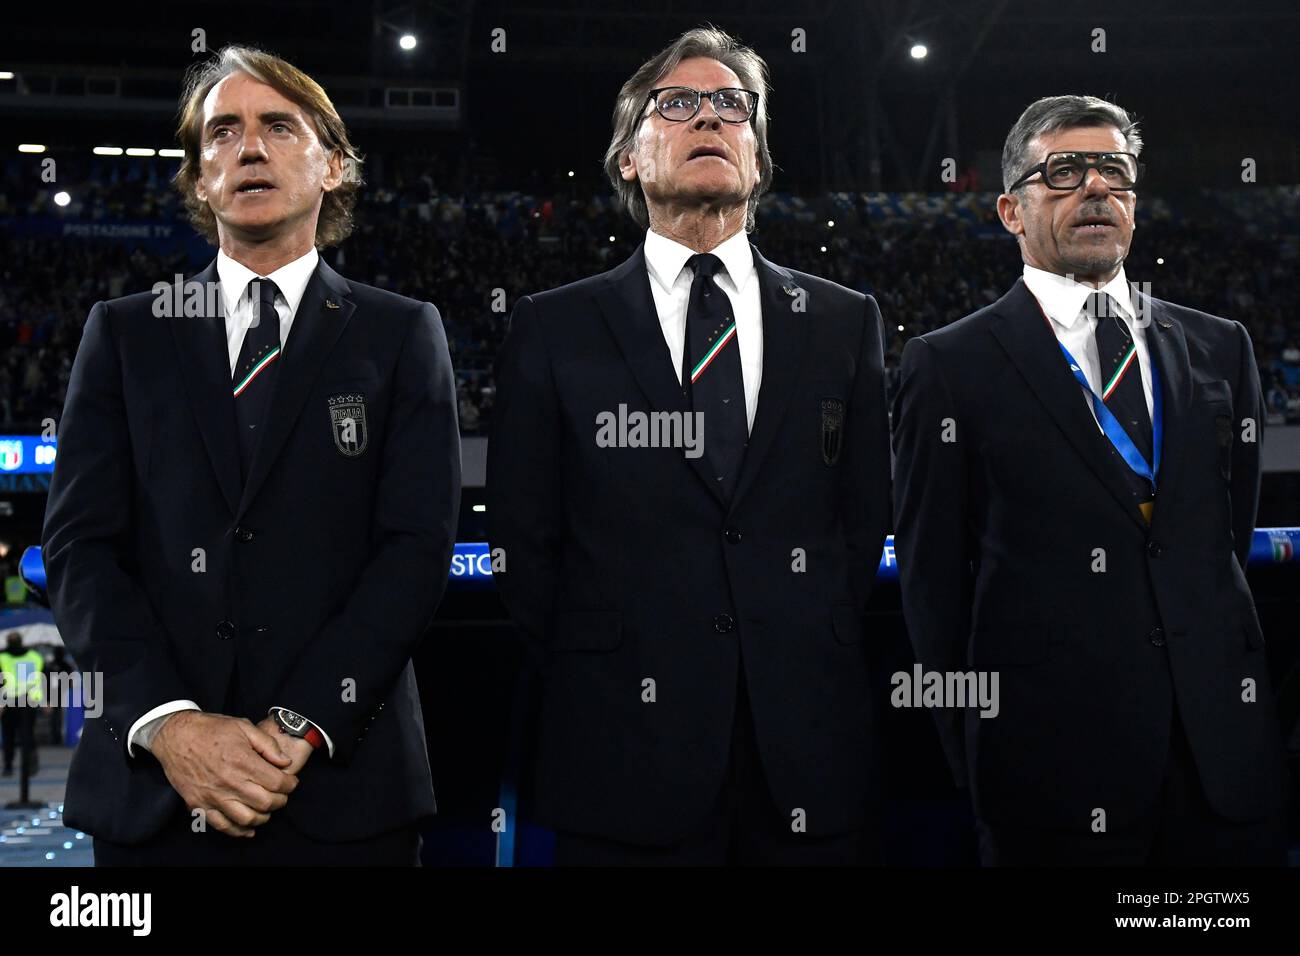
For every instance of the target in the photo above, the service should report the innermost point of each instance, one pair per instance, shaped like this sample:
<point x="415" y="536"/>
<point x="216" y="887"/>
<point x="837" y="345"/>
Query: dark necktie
<point x="254" y="379"/>
<point x="1121" y="388"/>
<point x="711" y="372"/>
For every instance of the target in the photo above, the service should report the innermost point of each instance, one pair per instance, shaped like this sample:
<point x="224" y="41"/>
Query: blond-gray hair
<point x="335" y="221"/>
<point x="629" y="110"/>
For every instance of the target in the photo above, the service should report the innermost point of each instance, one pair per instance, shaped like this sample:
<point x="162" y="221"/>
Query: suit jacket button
<point x="1154" y="549"/>
<point x="243" y="534"/>
<point x="1157" y="636"/>
<point x="225" y="630"/>
<point x="724" y="624"/>
<point x="732" y="535"/>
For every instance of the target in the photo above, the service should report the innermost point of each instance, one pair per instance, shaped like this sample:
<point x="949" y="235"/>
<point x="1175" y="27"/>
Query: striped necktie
<point x="253" y="381"/>
<point x="711" y="373"/>
<point x="1121" y="390"/>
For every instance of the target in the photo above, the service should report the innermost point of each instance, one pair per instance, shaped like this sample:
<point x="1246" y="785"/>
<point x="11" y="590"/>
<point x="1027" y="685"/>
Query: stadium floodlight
<point x="30" y="148"/>
<point x="172" y="153"/>
<point x="919" y="51"/>
<point x="571" y="174"/>
<point x="141" y="151"/>
<point x="108" y="150"/>
<point x="480" y="507"/>
<point x="62" y="199"/>
<point x="407" y="41"/>
<point x="6" y="75"/>
<point x="830" y="223"/>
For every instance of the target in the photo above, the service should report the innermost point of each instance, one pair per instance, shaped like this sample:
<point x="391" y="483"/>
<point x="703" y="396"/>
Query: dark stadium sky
<point x="1212" y="82"/>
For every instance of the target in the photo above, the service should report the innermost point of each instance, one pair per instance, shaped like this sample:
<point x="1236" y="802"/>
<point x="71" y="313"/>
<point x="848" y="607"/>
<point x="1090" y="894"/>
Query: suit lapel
<point x="205" y="367"/>
<point x="322" y="316"/>
<point x="1022" y="331"/>
<point x="629" y="309"/>
<point x="785" y="337"/>
<point x="1167" y="345"/>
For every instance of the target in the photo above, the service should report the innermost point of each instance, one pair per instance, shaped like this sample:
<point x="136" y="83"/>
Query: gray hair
<point x="1052" y="114"/>
<point x="629" y="109"/>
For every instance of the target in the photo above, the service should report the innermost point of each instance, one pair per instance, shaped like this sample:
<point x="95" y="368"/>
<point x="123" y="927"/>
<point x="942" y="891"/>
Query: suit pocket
<point x="847" y="624"/>
<point x="354" y="373"/>
<point x="587" y="630"/>
<point x="1212" y="393"/>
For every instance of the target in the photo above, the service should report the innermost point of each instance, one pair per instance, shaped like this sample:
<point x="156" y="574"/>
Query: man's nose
<point x="709" y="120"/>
<point x="1094" y="183"/>
<point x="251" y="147"/>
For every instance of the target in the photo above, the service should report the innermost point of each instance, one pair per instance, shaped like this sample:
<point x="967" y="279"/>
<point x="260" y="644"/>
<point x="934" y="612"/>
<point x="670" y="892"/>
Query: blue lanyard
<point x="1110" y="425"/>
<point x="1115" y="431"/>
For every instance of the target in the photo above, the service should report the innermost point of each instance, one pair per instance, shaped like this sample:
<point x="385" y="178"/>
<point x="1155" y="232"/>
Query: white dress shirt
<point x="1063" y="300"/>
<point x="670" y="282"/>
<point x="241" y="304"/>
<point x="240" y="307"/>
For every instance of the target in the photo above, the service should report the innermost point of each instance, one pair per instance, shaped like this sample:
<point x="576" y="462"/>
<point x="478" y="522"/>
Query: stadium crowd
<point x="928" y="259"/>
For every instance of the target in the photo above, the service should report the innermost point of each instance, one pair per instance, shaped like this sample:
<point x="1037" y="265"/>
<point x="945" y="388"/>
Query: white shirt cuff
<point x="143" y="730"/>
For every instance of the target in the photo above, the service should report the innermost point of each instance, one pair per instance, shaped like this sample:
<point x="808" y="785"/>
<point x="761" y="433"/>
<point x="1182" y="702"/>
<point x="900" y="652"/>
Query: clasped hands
<point x="237" y="772"/>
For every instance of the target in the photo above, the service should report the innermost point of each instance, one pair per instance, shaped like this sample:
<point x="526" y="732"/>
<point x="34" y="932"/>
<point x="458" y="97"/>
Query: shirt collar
<point x="290" y="279"/>
<point x="666" y="258"/>
<point x="1063" y="298"/>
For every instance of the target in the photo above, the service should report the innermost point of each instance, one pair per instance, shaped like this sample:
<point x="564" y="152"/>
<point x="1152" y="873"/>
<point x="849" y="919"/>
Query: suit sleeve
<point x="523" y="477"/>
<point x="931" y="528"/>
<point x="866" y="493"/>
<point x="102" y="613"/>
<point x="1246" y="456"/>
<point x="416" y="508"/>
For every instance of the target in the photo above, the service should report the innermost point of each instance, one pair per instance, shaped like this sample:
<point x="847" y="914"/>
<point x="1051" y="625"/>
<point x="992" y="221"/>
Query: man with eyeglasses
<point x="1075" y="492"/>
<point x="693" y="584"/>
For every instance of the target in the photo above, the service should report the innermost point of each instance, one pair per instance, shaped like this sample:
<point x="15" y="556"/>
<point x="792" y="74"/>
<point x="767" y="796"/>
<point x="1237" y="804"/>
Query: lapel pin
<point x="331" y="304"/>
<point x="790" y="288"/>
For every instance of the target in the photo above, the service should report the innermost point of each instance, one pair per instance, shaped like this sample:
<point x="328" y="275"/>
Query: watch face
<point x="292" y="723"/>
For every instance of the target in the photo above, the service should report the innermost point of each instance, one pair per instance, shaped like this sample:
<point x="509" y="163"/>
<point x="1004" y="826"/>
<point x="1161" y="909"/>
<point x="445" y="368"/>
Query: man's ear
<point x="627" y="167"/>
<point x="1009" y="212"/>
<point x="334" y="174"/>
<point x="200" y="191"/>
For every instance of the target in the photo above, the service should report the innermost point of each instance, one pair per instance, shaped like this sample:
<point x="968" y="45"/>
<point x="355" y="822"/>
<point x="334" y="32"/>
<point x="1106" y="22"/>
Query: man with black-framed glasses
<point x="689" y="476"/>
<point x="1077" y="475"/>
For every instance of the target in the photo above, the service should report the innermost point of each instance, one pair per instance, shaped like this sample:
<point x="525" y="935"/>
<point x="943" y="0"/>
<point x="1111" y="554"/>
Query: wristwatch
<point x="296" y="725"/>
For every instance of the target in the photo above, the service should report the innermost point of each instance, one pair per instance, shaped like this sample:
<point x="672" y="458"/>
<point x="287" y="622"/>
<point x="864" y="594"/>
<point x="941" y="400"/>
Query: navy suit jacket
<point x="626" y="565"/>
<point x="1022" y="551"/>
<point x="308" y="586"/>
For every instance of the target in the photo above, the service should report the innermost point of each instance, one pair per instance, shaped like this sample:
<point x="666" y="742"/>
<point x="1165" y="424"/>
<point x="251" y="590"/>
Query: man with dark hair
<point x="253" y="513"/>
<point x="689" y="476"/>
<point x="1075" y="491"/>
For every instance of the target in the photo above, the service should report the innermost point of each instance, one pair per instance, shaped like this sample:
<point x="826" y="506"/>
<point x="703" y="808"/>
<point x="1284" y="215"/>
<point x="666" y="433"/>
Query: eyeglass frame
<point x="1041" y="168"/>
<point x="700" y="96"/>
